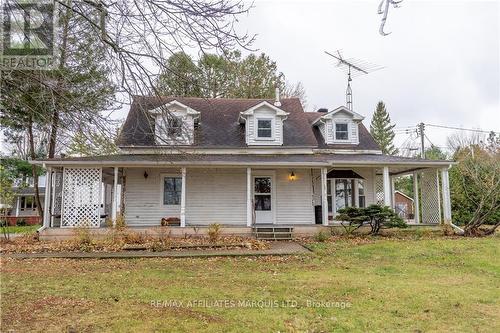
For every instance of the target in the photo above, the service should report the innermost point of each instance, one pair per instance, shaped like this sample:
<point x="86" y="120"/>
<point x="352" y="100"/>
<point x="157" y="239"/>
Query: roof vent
<point x="323" y="110"/>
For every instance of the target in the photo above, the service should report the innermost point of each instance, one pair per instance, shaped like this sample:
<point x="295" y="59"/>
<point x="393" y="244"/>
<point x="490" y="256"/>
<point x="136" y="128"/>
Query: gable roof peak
<point x="329" y="114"/>
<point x="279" y="111"/>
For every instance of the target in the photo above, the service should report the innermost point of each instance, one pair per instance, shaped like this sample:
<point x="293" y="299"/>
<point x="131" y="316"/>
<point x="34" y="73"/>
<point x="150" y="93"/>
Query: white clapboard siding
<point x="143" y="197"/>
<point x="219" y="196"/>
<point x="294" y="198"/>
<point x="216" y="196"/>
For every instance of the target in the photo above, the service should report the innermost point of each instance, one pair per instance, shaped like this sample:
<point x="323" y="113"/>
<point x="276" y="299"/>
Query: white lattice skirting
<point x="81" y="197"/>
<point x="429" y="191"/>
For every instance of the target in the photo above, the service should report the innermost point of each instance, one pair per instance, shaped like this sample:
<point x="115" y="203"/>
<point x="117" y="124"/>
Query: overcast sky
<point x="441" y="59"/>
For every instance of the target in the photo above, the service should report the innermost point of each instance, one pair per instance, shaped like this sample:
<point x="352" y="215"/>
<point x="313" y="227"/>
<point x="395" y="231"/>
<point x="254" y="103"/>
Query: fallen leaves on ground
<point x="117" y="240"/>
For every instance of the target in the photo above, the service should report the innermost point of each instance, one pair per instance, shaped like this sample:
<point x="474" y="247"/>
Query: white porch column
<point x="183" y="198"/>
<point x="393" y="194"/>
<point x="18" y="204"/>
<point x="114" y="206"/>
<point x="416" y="199"/>
<point x="438" y="196"/>
<point x="249" y="198"/>
<point x="324" y="196"/>
<point x="356" y="193"/>
<point x="445" y="182"/>
<point x="387" y="187"/>
<point x="46" y="201"/>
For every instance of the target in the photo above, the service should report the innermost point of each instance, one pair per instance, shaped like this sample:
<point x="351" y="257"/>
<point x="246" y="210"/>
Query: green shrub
<point x="352" y="218"/>
<point x="376" y="216"/>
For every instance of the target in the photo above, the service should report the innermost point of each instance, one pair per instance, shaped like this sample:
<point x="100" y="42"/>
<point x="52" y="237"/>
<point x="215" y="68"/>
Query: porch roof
<point x="186" y="159"/>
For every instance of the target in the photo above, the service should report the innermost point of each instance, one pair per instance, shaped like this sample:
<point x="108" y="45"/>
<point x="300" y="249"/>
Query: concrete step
<point x="273" y="233"/>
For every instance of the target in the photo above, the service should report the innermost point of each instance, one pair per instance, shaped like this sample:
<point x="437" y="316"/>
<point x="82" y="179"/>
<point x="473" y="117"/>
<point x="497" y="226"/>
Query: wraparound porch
<point x="234" y="196"/>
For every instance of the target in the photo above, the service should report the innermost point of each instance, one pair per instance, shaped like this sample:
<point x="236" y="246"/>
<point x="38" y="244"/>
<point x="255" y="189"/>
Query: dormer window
<point x="174" y="124"/>
<point x="341" y="131"/>
<point x="264" y="128"/>
<point x="263" y="124"/>
<point x="339" y="126"/>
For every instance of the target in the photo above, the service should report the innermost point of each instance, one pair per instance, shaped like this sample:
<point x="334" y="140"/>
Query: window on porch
<point x="172" y="188"/>
<point x="344" y="194"/>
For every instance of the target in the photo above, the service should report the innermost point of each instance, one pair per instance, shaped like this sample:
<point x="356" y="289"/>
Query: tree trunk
<point x="34" y="168"/>
<point x="53" y="133"/>
<point x="55" y="114"/>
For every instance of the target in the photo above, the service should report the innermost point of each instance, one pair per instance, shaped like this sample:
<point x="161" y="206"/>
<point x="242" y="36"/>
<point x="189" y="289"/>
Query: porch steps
<point x="273" y="233"/>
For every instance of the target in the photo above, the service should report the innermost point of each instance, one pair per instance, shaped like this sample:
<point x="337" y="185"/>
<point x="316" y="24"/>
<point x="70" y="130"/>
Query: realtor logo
<point x="28" y="34"/>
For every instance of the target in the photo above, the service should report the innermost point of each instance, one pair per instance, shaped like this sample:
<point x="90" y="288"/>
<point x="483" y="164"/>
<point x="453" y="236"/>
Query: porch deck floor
<point x="276" y="249"/>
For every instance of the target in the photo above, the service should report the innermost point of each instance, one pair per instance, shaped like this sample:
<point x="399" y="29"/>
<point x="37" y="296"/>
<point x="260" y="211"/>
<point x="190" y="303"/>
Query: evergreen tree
<point x="382" y="130"/>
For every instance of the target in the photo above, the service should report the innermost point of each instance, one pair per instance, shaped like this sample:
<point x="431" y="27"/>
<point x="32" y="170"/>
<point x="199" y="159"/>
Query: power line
<point x="461" y="129"/>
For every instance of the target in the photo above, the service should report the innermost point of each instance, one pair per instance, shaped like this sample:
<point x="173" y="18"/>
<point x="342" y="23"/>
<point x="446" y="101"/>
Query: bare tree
<point x="295" y="90"/>
<point x="460" y="140"/>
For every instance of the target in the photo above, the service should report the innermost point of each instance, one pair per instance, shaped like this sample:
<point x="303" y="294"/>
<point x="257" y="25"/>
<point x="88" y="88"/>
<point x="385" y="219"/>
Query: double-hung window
<point x="172" y="188"/>
<point x="361" y="193"/>
<point x="341" y="131"/>
<point x="264" y="128"/>
<point x="174" y="128"/>
<point x="343" y="192"/>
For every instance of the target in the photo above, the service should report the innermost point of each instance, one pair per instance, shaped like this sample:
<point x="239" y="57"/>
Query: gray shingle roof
<point x="220" y="127"/>
<point x="246" y="159"/>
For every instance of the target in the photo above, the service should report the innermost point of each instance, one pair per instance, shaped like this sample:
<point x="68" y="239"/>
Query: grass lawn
<point x="389" y="285"/>
<point x="21" y="229"/>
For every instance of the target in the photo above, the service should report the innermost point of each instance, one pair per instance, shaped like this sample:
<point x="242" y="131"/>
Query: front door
<point x="263" y="199"/>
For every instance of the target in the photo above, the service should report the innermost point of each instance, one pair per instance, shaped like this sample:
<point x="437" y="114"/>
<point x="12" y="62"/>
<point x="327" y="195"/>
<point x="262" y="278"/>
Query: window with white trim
<point x="264" y="128"/>
<point x="27" y="203"/>
<point x="341" y="131"/>
<point x="174" y="126"/>
<point x="172" y="188"/>
<point x="361" y="193"/>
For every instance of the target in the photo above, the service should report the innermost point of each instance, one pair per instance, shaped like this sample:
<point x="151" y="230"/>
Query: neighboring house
<point x="403" y="205"/>
<point x="236" y="162"/>
<point x="24" y="208"/>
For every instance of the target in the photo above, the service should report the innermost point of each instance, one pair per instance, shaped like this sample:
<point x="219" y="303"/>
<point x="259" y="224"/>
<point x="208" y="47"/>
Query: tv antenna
<point x="353" y="68"/>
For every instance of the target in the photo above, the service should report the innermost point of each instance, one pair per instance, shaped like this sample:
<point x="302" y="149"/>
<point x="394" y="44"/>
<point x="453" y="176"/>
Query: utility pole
<point x="421" y="128"/>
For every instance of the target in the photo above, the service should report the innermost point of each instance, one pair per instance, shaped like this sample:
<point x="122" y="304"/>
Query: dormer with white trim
<point x="174" y="124"/>
<point x="263" y="124"/>
<point x="340" y="126"/>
